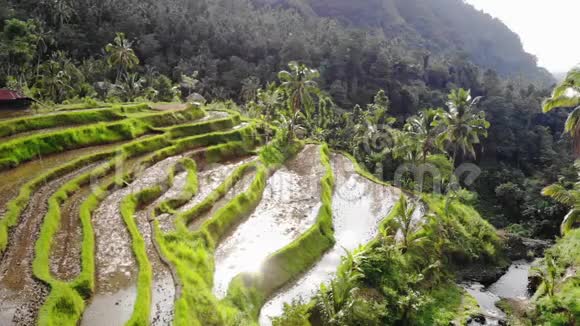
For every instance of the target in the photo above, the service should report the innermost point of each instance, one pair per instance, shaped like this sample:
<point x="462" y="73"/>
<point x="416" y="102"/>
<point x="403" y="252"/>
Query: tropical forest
<point x="283" y="163"/>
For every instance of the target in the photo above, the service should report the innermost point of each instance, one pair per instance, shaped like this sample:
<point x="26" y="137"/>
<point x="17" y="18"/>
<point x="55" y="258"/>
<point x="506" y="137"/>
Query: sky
<point x="548" y="28"/>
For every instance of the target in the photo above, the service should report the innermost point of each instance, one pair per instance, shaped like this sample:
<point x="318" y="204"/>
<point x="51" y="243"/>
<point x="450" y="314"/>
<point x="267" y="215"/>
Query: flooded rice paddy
<point x="289" y="206"/>
<point x="14" y="179"/>
<point x="358" y="207"/>
<point x="116" y="268"/>
<point x="20" y="294"/>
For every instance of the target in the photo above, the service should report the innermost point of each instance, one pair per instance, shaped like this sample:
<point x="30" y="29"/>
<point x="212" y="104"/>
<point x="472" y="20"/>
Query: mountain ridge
<point x="441" y="26"/>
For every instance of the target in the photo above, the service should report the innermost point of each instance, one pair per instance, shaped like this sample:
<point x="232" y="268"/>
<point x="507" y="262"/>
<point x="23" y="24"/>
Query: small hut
<point x="13" y="99"/>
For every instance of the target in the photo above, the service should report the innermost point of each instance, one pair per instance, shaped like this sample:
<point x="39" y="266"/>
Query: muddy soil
<point x="116" y="268"/>
<point x="241" y="186"/>
<point x="169" y="106"/>
<point x="9" y="113"/>
<point x="14" y="179"/>
<point x="208" y="179"/>
<point x="20" y="294"/>
<point x="289" y="207"/>
<point x="65" y="262"/>
<point x="358" y="207"/>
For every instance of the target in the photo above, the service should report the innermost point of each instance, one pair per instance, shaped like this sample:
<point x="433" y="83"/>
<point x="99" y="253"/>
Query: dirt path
<point x="20" y="294"/>
<point x="288" y="207"/>
<point x="116" y="269"/>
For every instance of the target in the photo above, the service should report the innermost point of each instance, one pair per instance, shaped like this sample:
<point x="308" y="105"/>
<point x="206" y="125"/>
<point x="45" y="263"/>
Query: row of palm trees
<point x="457" y="131"/>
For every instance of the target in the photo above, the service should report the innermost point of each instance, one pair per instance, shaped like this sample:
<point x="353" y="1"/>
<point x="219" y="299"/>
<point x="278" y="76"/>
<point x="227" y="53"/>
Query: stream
<point x="512" y="285"/>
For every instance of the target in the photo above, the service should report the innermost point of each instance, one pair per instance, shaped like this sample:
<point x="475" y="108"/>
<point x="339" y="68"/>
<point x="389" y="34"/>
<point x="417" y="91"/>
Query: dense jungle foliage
<point x="416" y="82"/>
<point x="416" y="51"/>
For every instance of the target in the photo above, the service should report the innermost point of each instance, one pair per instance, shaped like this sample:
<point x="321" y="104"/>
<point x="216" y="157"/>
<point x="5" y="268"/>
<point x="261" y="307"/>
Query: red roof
<point x="8" y="95"/>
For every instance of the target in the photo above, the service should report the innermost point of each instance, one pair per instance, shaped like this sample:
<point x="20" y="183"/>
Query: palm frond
<point x="560" y="194"/>
<point x="562" y="101"/>
<point x="569" y="221"/>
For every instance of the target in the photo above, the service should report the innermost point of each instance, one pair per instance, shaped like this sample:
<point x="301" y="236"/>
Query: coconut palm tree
<point x="129" y="87"/>
<point x="422" y="130"/>
<point x="462" y="126"/>
<point x="567" y="95"/>
<point x="121" y="54"/>
<point x="301" y="89"/>
<point x="568" y="197"/>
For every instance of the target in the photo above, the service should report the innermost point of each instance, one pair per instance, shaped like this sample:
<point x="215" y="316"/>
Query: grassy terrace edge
<point x="65" y="303"/>
<point x="191" y="252"/>
<point x="250" y="291"/>
<point x="66" y="300"/>
<point x="19" y="150"/>
<point x="129" y="207"/>
<point x="10" y="127"/>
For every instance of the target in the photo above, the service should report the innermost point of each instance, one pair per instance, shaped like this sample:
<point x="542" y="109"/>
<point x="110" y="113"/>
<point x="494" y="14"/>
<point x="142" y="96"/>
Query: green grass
<point x="448" y="303"/>
<point x="203" y="127"/>
<point x="185" y="218"/>
<point x="19" y="150"/>
<point x="170" y="118"/>
<point x="15" y="126"/>
<point x="191" y="253"/>
<point x="218" y="137"/>
<point x="563" y="307"/>
<point x="474" y="239"/>
<point x="129" y="205"/>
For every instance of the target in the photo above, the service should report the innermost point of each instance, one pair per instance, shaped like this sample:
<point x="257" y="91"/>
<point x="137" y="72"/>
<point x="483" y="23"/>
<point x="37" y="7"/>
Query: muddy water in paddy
<point x="288" y="208"/>
<point x="208" y="179"/>
<point x="15" y="178"/>
<point x="358" y="207"/>
<point x="9" y="113"/>
<point x="116" y="268"/>
<point x="163" y="295"/>
<point x="240" y="187"/>
<point x="20" y="295"/>
<point x="65" y="262"/>
<point x="66" y="257"/>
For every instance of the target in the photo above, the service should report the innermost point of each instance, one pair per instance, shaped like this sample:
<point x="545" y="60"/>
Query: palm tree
<point x="568" y="197"/>
<point x="462" y="126"/>
<point x="335" y="300"/>
<point x="300" y="88"/>
<point x="422" y="130"/>
<point x="567" y="95"/>
<point x="403" y="221"/>
<point x="121" y="55"/>
<point x="130" y="86"/>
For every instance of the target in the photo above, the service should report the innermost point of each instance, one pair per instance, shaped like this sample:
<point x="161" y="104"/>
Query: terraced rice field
<point x="133" y="215"/>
